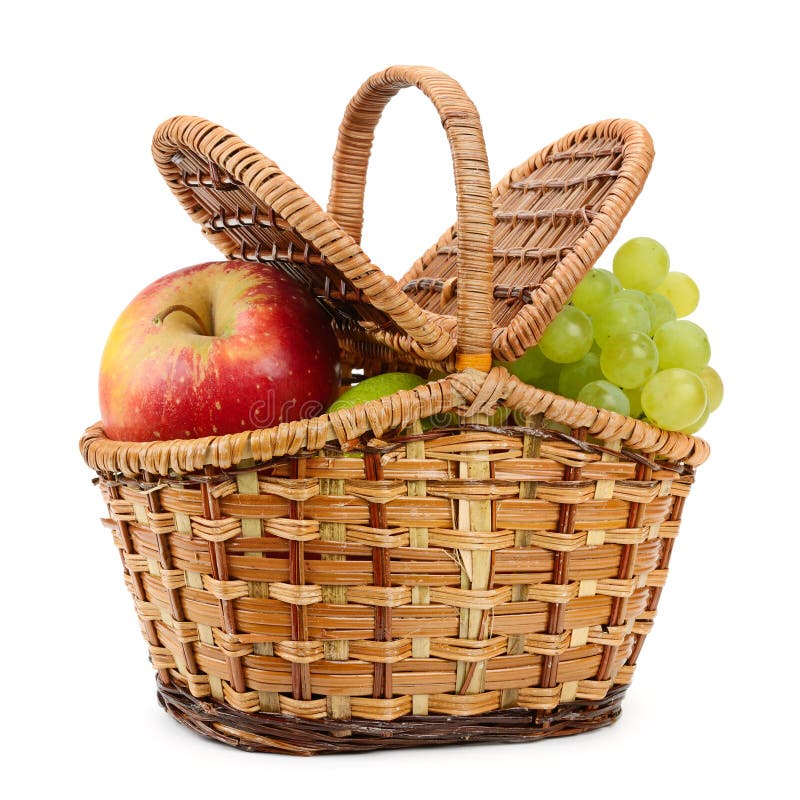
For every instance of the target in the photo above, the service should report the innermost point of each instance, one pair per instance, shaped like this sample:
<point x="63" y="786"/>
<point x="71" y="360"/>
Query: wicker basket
<point x="468" y="583"/>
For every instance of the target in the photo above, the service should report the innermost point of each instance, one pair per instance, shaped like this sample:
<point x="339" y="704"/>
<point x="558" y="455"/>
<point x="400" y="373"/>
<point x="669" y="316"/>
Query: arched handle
<point x="473" y="190"/>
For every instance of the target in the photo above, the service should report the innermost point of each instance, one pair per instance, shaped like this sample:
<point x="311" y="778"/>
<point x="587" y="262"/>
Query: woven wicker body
<point x="468" y="583"/>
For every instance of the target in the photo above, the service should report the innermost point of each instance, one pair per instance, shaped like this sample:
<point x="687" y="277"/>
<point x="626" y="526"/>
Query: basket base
<point x="282" y="733"/>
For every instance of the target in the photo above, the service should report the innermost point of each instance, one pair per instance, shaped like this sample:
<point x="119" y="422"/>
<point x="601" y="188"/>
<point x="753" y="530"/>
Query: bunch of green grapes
<point x="622" y="344"/>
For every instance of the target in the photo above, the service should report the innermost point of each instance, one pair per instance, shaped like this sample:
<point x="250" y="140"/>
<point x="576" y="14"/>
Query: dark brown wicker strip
<point x="627" y="560"/>
<point x="127" y="549"/>
<point x="583" y="213"/>
<point x="290" y="735"/>
<point x="163" y="530"/>
<point x="381" y="576"/>
<point x="596" y="152"/>
<point x="561" y="559"/>
<point x="567" y="183"/>
<point x="527" y="253"/>
<point x="301" y="676"/>
<point x="655" y="591"/>
<point x="219" y="572"/>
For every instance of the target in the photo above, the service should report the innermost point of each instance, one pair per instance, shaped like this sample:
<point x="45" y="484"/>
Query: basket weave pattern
<point x="454" y="572"/>
<point x="465" y="583"/>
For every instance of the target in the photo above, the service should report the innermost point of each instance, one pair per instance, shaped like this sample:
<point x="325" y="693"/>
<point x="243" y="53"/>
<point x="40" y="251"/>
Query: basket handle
<point x="473" y="190"/>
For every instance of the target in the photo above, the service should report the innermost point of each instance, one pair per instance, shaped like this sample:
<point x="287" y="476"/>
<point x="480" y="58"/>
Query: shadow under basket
<point x="361" y="580"/>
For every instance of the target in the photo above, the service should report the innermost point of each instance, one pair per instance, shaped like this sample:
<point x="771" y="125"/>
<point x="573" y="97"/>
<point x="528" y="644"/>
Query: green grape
<point x="549" y="381"/>
<point x="597" y="286"/>
<point x="641" y="263"/>
<point x="695" y="426"/>
<point x="500" y="417"/>
<point x="552" y="425"/>
<point x="530" y="365"/>
<point x="674" y="399"/>
<point x="664" y="311"/>
<point x="602" y="394"/>
<point x="643" y="300"/>
<point x="682" y="344"/>
<point x="635" y="399"/>
<point x="568" y="337"/>
<point x="575" y="376"/>
<point x="681" y="291"/>
<point x="629" y="359"/>
<point x="714" y="387"/>
<point x="619" y="315"/>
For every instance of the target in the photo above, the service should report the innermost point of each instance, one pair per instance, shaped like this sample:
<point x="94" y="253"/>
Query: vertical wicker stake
<point x="127" y="551"/>
<point x="627" y="563"/>
<point x="337" y="649"/>
<point x="522" y="538"/>
<point x="418" y="537"/>
<point x="301" y="673"/>
<point x="474" y="515"/>
<point x="247" y="484"/>
<point x="555" y="619"/>
<point x="219" y="573"/>
<point x="173" y="579"/>
<point x="381" y="576"/>
<point x="667" y="543"/>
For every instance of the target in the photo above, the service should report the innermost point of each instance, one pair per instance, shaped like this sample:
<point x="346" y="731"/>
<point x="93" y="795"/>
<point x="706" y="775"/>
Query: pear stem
<point x="159" y="318"/>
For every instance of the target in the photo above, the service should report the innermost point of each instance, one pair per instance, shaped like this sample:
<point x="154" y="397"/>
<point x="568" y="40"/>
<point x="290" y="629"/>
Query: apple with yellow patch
<point x="216" y="348"/>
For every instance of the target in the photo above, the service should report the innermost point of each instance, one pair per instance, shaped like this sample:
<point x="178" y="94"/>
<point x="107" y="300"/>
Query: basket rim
<point x="469" y="392"/>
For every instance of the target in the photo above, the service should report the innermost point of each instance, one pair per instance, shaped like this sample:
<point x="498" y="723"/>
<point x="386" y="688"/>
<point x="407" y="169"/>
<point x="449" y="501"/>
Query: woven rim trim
<point x="291" y="735"/>
<point x="469" y="393"/>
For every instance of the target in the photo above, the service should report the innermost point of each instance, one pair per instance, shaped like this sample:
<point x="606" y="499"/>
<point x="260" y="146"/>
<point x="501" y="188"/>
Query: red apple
<point x="216" y="348"/>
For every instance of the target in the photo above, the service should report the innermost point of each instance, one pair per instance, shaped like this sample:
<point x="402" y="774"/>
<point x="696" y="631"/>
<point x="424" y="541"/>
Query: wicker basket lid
<point x="488" y="287"/>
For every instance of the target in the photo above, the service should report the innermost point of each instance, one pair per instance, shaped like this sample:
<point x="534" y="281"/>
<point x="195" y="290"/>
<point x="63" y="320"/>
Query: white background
<point x="88" y="222"/>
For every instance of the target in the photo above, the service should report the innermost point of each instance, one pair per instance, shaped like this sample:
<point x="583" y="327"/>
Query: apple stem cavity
<point x="158" y="319"/>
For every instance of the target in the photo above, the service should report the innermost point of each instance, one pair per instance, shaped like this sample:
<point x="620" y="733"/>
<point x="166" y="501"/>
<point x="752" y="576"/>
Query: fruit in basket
<point x="682" y="344"/>
<point x="216" y="348"/>
<point x="644" y="300"/>
<point x="637" y="338"/>
<point x="629" y="360"/>
<point x="695" y="426"/>
<point x="664" y="311"/>
<point x="681" y="291"/>
<point x="713" y="382"/>
<point x="597" y="287"/>
<point x="374" y="388"/>
<point x="383" y="385"/>
<point x="619" y="315"/>
<point x="635" y="399"/>
<point x="574" y="377"/>
<point x="568" y="337"/>
<point x="532" y="364"/>
<point x="674" y="399"/>
<point x="641" y="263"/>
<point x="603" y="394"/>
